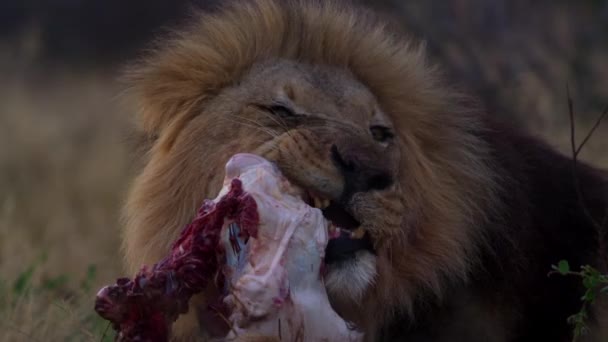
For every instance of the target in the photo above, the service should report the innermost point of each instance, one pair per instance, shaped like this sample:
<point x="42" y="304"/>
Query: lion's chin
<point x="348" y="280"/>
<point x="350" y="257"/>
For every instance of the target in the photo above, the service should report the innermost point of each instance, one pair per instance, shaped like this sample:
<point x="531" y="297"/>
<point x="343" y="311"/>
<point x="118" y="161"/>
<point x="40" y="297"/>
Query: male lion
<point x="463" y="216"/>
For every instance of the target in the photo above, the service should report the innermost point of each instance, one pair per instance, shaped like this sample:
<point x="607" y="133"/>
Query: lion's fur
<point x="189" y="86"/>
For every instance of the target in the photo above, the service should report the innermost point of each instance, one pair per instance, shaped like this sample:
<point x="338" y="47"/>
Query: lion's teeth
<point x="357" y="233"/>
<point x="320" y="203"/>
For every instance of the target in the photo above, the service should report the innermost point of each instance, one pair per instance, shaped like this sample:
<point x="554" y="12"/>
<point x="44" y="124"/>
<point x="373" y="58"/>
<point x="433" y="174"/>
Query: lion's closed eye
<point x="281" y="110"/>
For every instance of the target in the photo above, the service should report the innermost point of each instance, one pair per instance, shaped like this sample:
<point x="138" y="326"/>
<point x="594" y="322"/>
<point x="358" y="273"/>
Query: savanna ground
<point x="65" y="162"/>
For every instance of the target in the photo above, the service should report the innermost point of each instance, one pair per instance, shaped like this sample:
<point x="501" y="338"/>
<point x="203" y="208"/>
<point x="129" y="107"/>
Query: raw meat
<point x="261" y="243"/>
<point x="274" y="279"/>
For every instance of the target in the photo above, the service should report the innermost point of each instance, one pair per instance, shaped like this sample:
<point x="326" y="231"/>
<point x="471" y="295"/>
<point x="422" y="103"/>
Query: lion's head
<point x="349" y="111"/>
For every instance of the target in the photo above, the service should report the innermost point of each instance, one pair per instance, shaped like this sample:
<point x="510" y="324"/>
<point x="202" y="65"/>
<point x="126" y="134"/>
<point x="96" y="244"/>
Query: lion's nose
<point x="363" y="169"/>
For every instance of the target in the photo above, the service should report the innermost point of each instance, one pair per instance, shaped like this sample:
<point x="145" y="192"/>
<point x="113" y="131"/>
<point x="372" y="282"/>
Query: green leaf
<point x="563" y="267"/>
<point x="55" y="283"/>
<point x="89" y="278"/>
<point x="22" y="283"/>
<point x="590" y="281"/>
<point x="589" y="296"/>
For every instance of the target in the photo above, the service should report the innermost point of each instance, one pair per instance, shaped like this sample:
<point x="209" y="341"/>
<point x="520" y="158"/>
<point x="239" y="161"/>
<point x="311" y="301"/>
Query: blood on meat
<point x="143" y="308"/>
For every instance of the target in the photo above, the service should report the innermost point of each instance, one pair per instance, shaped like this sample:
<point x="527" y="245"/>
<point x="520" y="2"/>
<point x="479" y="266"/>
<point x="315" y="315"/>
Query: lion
<point x="462" y="215"/>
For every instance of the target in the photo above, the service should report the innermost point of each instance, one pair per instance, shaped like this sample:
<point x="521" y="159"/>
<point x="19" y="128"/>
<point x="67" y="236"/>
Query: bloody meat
<point x="143" y="308"/>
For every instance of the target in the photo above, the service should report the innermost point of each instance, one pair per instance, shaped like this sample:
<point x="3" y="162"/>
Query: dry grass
<point x="63" y="172"/>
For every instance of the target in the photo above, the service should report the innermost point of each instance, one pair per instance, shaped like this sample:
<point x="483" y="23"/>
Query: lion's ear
<point x="161" y="97"/>
<point x="165" y="95"/>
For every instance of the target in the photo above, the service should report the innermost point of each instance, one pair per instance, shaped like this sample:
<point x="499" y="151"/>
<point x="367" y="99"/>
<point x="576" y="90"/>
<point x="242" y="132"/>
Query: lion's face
<point x="327" y="134"/>
<point x="348" y="112"/>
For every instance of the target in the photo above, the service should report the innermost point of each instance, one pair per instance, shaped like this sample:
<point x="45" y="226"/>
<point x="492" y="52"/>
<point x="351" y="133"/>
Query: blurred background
<point x="65" y="161"/>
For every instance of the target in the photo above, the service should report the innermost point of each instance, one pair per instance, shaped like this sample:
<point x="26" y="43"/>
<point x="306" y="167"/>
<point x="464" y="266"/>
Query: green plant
<point x="594" y="283"/>
<point x="23" y="283"/>
<point x="64" y="301"/>
<point x="593" y="280"/>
